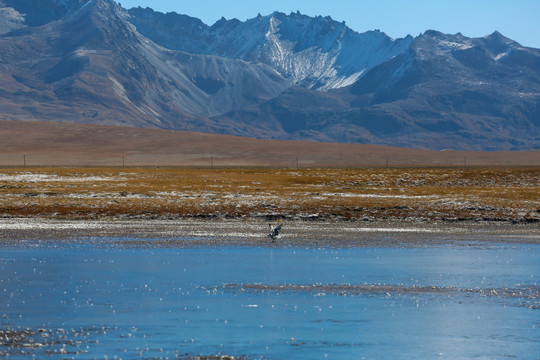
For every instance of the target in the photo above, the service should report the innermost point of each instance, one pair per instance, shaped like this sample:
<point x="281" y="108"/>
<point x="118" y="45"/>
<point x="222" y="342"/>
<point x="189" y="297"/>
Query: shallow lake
<point x="102" y="299"/>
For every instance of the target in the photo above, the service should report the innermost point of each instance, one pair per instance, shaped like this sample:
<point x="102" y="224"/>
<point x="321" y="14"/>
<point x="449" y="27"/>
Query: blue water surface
<point x="154" y="302"/>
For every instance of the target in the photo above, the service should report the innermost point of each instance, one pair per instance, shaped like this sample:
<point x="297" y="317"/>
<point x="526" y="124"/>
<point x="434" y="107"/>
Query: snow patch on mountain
<point x="317" y="53"/>
<point x="313" y="52"/>
<point x="10" y="19"/>
<point x="446" y="45"/>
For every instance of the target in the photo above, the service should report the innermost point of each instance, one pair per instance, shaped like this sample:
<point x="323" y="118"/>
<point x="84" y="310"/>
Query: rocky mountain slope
<point x="316" y="53"/>
<point x="91" y="65"/>
<point x="277" y="76"/>
<point x="445" y="91"/>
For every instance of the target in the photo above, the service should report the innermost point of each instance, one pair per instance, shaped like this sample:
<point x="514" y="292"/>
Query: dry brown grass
<point x="425" y="193"/>
<point x="63" y="144"/>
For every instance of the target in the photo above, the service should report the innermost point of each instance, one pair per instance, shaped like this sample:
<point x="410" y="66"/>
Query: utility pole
<point x="297" y="165"/>
<point x="123" y="161"/>
<point x="24" y="159"/>
<point x="211" y="162"/>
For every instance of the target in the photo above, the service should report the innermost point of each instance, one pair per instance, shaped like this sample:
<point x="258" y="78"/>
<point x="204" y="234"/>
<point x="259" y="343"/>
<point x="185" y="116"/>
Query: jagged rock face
<point x="461" y="88"/>
<point x="91" y="65"/>
<point x="276" y="76"/>
<point x="317" y="53"/>
<point x="444" y="91"/>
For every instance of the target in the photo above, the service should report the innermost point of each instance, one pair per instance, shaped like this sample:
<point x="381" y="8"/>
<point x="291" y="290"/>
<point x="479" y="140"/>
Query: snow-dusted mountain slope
<point x="275" y="76"/>
<point x="317" y="53"/>
<point x="90" y="65"/>
<point x="10" y="19"/>
<point x="445" y="91"/>
<point x="41" y="12"/>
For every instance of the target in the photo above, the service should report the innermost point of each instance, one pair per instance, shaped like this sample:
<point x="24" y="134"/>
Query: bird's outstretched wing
<point x="274" y="231"/>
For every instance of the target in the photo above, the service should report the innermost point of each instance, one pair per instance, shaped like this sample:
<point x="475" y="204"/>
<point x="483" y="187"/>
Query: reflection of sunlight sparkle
<point x="153" y="300"/>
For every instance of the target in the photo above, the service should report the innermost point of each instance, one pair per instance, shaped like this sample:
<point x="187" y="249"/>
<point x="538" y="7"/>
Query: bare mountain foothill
<point x="33" y="144"/>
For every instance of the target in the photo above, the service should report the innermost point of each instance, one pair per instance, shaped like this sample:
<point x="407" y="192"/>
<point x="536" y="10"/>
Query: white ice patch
<point x="396" y="230"/>
<point x="352" y="195"/>
<point x="233" y="234"/>
<point x="33" y="178"/>
<point x="31" y="224"/>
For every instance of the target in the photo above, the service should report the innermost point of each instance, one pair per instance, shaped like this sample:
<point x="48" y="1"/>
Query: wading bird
<point x="274" y="231"/>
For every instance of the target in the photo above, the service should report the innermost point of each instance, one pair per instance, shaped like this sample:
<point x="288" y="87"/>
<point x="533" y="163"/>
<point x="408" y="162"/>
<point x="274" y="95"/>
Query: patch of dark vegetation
<point x="213" y="357"/>
<point x="525" y="295"/>
<point x="28" y="341"/>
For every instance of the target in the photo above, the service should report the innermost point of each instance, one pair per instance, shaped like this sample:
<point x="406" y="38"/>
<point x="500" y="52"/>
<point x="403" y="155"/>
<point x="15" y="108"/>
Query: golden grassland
<point x="488" y="194"/>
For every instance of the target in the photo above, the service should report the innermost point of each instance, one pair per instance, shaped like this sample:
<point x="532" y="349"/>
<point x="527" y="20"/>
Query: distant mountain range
<point x="278" y="76"/>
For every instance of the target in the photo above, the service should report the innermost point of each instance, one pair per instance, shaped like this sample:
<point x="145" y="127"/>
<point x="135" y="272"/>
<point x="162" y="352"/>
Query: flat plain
<point x="365" y="194"/>
<point x="100" y="181"/>
<point x="64" y="144"/>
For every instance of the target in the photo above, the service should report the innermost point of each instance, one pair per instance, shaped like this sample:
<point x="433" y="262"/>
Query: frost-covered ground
<point x="239" y="203"/>
<point x="190" y="232"/>
<point x="28" y="177"/>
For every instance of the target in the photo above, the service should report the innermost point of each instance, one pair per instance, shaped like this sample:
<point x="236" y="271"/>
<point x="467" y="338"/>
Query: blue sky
<point x="516" y="19"/>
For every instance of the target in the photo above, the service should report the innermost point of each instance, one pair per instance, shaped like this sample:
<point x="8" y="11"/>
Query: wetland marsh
<point x="175" y="263"/>
<point x="365" y="194"/>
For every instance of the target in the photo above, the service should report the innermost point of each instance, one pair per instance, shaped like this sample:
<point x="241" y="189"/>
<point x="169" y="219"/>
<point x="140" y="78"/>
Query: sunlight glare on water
<point x="94" y="300"/>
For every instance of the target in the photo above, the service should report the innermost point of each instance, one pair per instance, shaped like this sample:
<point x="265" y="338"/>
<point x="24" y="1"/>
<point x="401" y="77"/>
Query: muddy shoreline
<point x="318" y="207"/>
<point x="253" y="232"/>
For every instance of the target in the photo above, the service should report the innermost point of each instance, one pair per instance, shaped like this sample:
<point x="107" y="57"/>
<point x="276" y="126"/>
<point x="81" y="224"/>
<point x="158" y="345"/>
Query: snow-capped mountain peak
<point x="314" y="52"/>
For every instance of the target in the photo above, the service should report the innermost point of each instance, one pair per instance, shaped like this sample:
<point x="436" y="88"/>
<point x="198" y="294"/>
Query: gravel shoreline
<point x="253" y="232"/>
